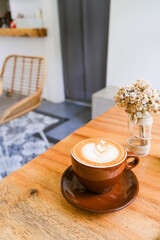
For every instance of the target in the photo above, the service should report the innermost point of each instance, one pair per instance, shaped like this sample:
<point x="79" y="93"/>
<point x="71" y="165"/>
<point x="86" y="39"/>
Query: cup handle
<point x="132" y="164"/>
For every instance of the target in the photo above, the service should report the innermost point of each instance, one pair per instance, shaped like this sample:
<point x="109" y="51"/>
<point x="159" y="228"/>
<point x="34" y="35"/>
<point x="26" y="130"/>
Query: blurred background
<point x="90" y="44"/>
<point x="91" y="48"/>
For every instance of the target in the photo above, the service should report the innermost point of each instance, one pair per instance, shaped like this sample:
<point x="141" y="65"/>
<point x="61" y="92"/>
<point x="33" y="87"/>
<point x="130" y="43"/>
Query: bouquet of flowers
<point x="139" y="100"/>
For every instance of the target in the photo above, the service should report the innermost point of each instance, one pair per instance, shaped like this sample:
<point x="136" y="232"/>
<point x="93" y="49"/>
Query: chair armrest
<point x="23" y="106"/>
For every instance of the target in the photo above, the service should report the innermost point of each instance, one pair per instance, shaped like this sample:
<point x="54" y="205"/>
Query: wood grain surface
<point x="33" y="208"/>
<point x="23" y="32"/>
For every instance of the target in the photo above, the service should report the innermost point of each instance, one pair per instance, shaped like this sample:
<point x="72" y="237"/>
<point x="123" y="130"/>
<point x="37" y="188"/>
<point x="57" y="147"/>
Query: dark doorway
<point x="84" y="38"/>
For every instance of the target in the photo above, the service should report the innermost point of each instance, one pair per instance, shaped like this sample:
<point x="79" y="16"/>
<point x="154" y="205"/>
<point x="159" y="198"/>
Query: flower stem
<point x="142" y="134"/>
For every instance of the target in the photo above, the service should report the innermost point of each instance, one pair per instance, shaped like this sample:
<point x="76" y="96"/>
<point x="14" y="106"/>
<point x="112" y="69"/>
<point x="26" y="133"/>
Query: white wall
<point x="22" y="46"/>
<point x="54" y="88"/>
<point x="134" y="42"/>
<point x="48" y="47"/>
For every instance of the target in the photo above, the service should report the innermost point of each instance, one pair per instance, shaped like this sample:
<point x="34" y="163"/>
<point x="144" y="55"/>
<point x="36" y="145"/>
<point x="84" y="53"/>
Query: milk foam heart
<point x="98" y="152"/>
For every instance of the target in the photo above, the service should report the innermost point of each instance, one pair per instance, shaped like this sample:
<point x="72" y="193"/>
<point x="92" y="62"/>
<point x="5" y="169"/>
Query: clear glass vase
<point x="139" y="138"/>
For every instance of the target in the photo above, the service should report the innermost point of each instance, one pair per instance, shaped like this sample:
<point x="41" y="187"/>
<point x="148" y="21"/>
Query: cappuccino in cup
<point x="99" y="163"/>
<point x="98" y="152"/>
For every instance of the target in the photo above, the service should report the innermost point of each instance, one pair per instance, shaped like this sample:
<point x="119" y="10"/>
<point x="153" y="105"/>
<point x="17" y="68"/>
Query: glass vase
<point x="139" y="138"/>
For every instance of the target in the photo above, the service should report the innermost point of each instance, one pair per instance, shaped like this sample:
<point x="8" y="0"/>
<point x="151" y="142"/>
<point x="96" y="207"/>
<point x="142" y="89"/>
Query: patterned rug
<point x="28" y="144"/>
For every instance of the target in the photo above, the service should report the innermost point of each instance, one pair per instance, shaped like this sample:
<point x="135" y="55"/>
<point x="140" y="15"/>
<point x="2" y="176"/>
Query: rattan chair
<point x="22" y="78"/>
<point x="21" y="85"/>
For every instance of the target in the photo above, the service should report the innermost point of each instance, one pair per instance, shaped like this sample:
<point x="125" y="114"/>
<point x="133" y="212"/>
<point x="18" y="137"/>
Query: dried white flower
<point x="139" y="100"/>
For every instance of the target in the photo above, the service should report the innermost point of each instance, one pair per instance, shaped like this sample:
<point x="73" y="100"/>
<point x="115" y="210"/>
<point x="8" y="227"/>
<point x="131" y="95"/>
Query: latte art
<point x="98" y="152"/>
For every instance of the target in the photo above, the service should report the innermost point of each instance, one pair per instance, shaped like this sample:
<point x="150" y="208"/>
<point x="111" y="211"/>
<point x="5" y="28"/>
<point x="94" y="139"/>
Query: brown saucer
<point x="121" y="195"/>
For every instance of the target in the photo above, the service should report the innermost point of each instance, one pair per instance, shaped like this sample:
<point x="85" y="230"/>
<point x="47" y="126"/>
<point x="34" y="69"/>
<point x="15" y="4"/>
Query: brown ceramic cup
<point x="98" y="179"/>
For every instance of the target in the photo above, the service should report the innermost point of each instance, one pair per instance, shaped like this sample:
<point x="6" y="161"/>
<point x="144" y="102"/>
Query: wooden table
<point x="32" y="206"/>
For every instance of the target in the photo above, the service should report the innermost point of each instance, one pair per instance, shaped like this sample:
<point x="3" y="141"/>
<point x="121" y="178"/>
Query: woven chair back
<point x="23" y="75"/>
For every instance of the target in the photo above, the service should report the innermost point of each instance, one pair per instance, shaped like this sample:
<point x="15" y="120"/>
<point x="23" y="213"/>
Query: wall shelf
<point x="23" y="32"/>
